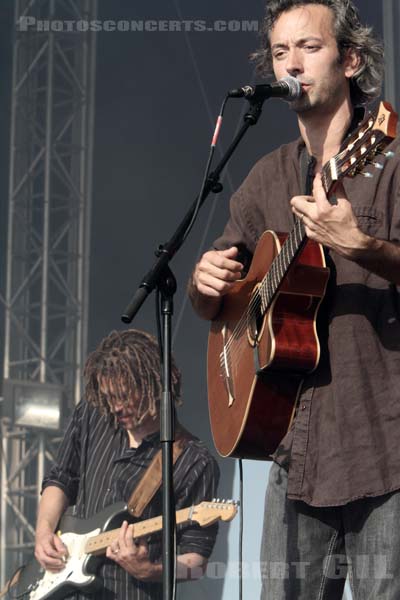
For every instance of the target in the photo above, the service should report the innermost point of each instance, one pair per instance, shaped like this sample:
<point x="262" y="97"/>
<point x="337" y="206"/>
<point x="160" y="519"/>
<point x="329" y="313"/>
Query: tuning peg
<point x="389" y="154"/>
<point x="367" y="175"/>
<point x="371" y="154"/>
<point x="377" y="165"/>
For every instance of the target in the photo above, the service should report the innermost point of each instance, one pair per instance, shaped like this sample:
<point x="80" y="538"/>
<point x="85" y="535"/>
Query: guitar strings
<point x="267" y="285"/>
<point x="264" y="295"/>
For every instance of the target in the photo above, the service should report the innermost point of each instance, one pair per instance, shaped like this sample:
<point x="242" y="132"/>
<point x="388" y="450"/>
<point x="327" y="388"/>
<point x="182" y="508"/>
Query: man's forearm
<point x="206" y="307"/>
<point x="52" y="505"/>
<point x="378" y="256"/>
<point x="188" y="566"/>
<point x="214" y="276"/>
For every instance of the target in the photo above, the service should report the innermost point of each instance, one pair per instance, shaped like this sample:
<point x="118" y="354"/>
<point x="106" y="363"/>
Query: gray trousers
<point x="307" y="552"/>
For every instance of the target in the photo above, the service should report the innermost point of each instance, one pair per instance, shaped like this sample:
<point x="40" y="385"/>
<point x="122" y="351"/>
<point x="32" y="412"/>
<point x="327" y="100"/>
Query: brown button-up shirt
<point x="344" y="443"/>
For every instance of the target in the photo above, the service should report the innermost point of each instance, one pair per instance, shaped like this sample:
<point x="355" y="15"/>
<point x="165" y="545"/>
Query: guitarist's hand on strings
<point x="213" y="277"/>
<point x="217" y="271"/>
<point x="331" y="223"/>
<point x="133" y="555"/>
<point x="50" y="551"/>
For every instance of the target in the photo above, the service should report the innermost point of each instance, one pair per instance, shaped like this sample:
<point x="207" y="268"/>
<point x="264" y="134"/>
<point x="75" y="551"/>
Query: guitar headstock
<point x="370" y="139"/>
<point x="207" y="513"/>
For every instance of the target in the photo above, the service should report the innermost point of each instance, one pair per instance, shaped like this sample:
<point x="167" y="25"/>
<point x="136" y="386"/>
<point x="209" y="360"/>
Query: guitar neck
<point x="370" y="138"/>
<point x="281" y="264"/>
<point x="98" y="544"/>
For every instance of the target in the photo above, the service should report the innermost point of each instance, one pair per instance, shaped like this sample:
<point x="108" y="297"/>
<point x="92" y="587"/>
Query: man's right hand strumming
<point x="50" y="551"/>
<point x="213" y="277"/>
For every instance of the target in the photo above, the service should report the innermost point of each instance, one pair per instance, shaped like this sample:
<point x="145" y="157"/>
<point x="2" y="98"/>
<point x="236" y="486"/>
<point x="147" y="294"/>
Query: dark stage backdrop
<point x="158" y="94"/>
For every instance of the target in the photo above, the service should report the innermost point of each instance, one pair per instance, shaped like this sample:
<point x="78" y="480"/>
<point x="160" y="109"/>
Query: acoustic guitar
<point x="264" y="339"/>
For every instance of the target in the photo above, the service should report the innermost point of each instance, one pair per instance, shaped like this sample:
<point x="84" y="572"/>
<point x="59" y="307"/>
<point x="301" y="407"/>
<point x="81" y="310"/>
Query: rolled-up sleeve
<point x="239" y="230"/>
<point x="198" y="484"/>
<point x="64" y="473"/>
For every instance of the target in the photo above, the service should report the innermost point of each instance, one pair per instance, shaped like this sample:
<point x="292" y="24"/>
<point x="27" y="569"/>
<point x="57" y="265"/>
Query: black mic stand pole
<point x="161" y="277"/>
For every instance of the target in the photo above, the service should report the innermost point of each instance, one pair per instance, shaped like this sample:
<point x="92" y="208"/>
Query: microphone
<point x="288" y="87"/>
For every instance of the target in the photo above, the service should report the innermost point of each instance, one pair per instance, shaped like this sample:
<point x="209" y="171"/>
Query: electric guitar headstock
<point x="207" y="513"/>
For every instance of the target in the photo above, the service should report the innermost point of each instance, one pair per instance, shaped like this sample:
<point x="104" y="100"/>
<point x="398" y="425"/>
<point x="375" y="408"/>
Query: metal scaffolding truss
<point x="50" y="179"/>
<point x="46" y="296"/>
<point x="25" y="455"/>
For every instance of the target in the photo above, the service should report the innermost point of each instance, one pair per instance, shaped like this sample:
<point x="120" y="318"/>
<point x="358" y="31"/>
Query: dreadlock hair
<point x="131" y="360"/>
<point x="366" y="83"/>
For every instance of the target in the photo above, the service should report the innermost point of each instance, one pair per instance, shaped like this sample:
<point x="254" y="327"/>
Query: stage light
<point x="32" y="404"/>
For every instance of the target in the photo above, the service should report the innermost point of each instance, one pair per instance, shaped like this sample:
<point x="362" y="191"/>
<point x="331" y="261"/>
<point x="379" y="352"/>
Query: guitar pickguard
<point x="46" y="584"/>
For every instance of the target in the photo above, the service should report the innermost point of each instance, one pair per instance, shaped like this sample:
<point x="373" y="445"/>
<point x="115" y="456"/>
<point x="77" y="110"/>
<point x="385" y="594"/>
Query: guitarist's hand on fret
<point x="213" y="277"/>
<point x="330" y="222"/>
<point x="133" y="555"/>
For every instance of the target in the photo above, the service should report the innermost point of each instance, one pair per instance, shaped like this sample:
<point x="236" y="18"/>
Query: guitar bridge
<point x="225" y="369"/>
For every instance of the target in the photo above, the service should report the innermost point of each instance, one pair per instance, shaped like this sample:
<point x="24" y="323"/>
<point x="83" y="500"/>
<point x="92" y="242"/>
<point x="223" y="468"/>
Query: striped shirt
<point x="96" y="468"/>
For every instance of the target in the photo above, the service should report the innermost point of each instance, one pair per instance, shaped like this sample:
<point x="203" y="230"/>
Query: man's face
<point x="303" y="45"/>
<point x="115" y="396"/>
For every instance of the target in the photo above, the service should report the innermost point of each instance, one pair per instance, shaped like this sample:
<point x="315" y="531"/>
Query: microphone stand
<point x="161" y="277"/>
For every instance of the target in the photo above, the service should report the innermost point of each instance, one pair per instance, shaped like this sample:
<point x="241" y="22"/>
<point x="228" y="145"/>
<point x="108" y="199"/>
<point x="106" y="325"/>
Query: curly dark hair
<point x="366" y="83"/>
<point x="131" y="360"/>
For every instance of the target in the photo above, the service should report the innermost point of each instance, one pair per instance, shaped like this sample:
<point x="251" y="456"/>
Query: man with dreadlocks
<point x="110" y="441"/>
<point x="333" y="496"/>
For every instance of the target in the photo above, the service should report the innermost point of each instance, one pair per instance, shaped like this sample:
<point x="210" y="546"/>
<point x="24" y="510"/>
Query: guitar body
<point x="87" y="540"/>
<point x="255" y="369"/>
<point x="80" y="571"/>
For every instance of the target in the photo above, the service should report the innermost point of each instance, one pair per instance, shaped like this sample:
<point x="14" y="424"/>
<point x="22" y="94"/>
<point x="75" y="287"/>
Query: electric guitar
<point x="87" y="540"/>
<point x="264" y="339"/>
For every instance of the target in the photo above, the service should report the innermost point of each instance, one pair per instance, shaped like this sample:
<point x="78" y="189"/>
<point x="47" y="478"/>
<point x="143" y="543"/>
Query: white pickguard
<point x="73" y="571"/>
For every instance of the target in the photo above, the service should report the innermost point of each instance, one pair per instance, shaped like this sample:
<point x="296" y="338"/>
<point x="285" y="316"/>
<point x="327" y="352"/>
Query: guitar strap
<point x="11" y="583"/>
<point x="150" y="482"/>
<point x="307" y="164"/>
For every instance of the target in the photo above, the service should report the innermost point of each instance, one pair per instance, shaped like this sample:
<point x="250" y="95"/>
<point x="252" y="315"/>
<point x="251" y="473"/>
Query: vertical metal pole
<point x="167" y="288"/>
<point x="389" y="22"/>
<point x="7" y="326"/>
<point x="44" y="311"/>
<point x="5" y="441"/>
<point x="3" y="508"/>
<point x="87" y="139"/>
<point x="41" y="438"/>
